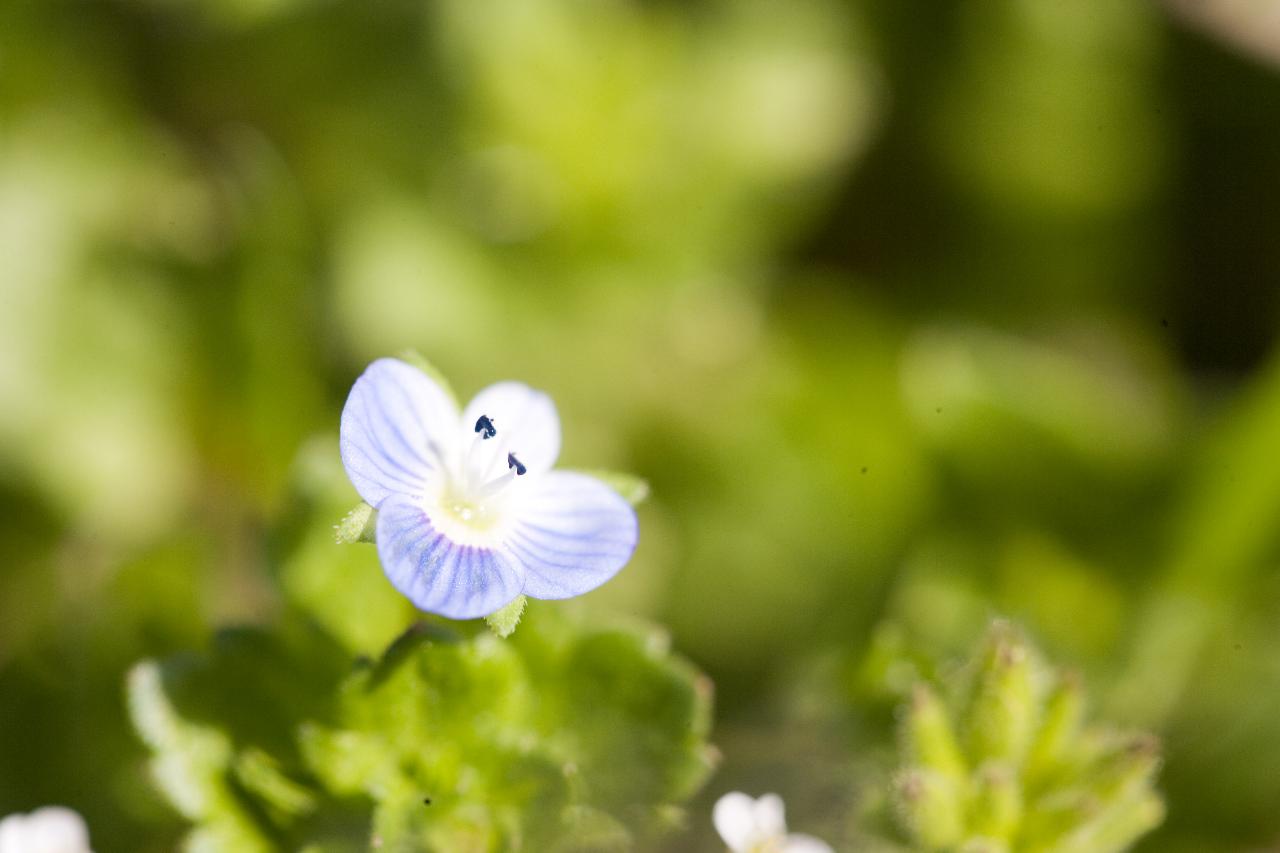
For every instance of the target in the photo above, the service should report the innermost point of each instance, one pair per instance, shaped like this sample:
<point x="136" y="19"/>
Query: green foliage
<point x="1021" y="358"/>
<point x="565" y="737"/>
<point x="1009" y="763"/>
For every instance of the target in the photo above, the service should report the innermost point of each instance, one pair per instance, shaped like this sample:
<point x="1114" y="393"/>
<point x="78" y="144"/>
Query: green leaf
<point x="504" y="621"/>
<point x="567" y="736"/>
<point x="416" y="358"/>
<point x="563" y="720"/>
<point x="222" y="730"/>
<point x="344" y="590"/>
<point x="634" y="489"/>
<point x="190" y="766"/>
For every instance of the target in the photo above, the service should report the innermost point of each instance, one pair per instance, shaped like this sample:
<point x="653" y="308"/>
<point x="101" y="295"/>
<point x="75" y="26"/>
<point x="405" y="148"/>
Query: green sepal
<point x="1063" y="720"/>
<point x="504" y="620"/>
<point x="415" y="358"/>
<point x="931" y="807"/>
<point x="996" y="809"/>
<point x="359" y="525"/>
<point x="1002" y="716"/>
<point x="929" y="740"/>
<point x="632" y="488"/>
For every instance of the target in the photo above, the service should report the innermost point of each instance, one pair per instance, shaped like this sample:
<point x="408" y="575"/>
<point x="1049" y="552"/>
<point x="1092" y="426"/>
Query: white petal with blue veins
<point x="525" y="419"/>
<point x="436" y="573"/>
<point x="396" y="425"/>
<point x="571" y="533"/>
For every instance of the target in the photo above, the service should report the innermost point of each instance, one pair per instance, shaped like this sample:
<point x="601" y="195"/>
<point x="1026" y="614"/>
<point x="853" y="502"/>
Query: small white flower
<point x="760" y="826"/>
<point x="52" y="829"/>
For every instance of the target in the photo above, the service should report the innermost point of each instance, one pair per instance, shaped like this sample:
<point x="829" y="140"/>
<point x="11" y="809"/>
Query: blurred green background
<point x="911" y="312"/>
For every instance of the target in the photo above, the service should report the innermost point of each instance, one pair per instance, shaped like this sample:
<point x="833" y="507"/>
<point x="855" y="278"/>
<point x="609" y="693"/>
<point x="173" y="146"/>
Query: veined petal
<point x="525" y="419"/>
<point x="436" y="573"/>
<point x="572" y="534"/>
<point x="396" y="427"/>
<point x="735" y="820"/>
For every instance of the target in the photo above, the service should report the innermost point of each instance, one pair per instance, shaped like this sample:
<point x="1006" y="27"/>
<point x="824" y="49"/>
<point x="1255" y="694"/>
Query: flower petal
<point x="525" y="419"/>
<point x="771" y="815"/>
<point x="436" y="573"/>
<point x="572" y="534"/>
<point x="51" y="829"/>
<point x="799" y="843"/>
<point x="396" y="427"/>
<point x="734" y="818"/>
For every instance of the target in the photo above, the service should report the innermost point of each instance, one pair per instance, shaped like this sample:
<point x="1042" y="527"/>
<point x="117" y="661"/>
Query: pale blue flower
<point x="470" y="512"/>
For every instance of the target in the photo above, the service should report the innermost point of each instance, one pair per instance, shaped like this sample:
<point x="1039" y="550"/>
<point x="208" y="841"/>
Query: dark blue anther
<point x="485" y="427"/>
<point x="513" y="462"/>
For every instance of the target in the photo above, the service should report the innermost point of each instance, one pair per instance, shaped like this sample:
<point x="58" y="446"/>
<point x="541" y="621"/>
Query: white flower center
<point x="478" y="486"/>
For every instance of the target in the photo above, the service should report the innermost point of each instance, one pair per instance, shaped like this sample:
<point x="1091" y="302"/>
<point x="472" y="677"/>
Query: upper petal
<point x="734" y="819"/>
<point x="771" y="815"/>
<point x="51" y="829"/>
<point x="436" y="573"/>
<point x="571" y="534"/>
<point x="397" y="426"/>
<point x="525" y="419"/>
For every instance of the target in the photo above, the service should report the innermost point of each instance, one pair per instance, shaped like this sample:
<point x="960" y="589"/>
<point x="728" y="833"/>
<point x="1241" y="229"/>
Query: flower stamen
<point x="493" y="487"/>
<point x="513" y="462"/>
<point x="484" y="426"/>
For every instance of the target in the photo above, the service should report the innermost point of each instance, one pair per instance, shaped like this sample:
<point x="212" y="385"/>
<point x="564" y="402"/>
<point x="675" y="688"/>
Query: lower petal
<point x="436" y="573"/>
<point x="573" y="534"/>
<point x="797" y="843"/>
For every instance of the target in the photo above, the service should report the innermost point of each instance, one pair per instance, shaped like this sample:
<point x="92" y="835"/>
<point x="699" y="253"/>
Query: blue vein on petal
<point x="534" y="562"/>
<point x="557" y="549"/>
<point x="398" y="478"/>
<point x="376" y="443"/>
<point x="554" y="548"/>
<point x="375" y="402"/>
<point x="384" y="409"/>
<point x="535" y="566"/>
<point x="594" y="534"/>
<point x="413" y="411"/>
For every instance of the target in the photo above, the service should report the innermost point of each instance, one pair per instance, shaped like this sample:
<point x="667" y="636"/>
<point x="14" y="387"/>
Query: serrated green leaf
<point x="567" y="736"/>
<point x="190" y="765"/>
<point x="222" y="730"/>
